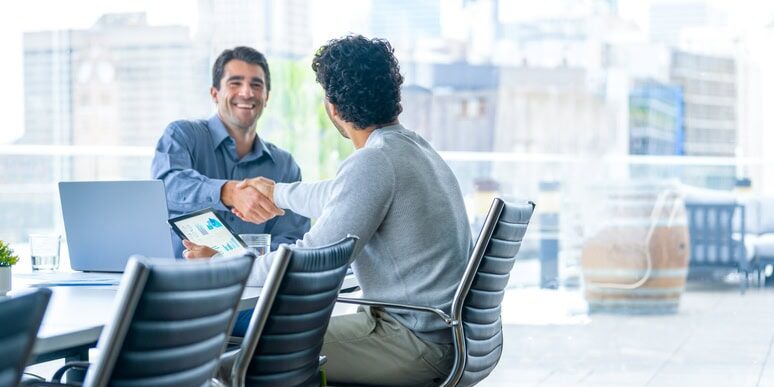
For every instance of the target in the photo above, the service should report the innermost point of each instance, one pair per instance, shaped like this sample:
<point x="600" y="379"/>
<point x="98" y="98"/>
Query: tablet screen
<point x="206" y="228"/>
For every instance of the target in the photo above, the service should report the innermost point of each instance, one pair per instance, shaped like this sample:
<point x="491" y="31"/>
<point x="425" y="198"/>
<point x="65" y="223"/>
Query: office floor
<point x="718" y="337"/>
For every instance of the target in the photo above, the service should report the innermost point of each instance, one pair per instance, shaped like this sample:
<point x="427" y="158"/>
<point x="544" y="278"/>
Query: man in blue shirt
<point x="201" y="162"/>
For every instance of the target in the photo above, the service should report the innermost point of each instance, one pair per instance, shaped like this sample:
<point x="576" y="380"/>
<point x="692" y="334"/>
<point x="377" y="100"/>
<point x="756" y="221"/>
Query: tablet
<point x="206" y="228"/>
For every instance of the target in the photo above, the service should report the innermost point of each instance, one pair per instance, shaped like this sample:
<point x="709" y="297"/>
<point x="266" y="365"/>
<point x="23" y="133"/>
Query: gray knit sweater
<point x="403" y="201"/>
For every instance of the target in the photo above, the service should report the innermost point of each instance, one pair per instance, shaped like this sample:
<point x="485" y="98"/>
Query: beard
<point x="341" y="130"/>
<point x="338" y="126"/>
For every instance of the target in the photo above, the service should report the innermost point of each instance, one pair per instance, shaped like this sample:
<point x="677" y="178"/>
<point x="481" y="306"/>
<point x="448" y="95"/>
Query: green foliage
<point x="295" y="120"/>
<point x="6" y="255"/>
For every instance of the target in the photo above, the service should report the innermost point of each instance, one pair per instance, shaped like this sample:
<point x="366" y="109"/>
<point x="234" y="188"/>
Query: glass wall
<point x="613" y="116"/>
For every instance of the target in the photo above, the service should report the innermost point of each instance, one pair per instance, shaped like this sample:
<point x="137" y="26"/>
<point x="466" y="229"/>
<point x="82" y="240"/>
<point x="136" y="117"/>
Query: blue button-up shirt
<point x="195" y="159"/>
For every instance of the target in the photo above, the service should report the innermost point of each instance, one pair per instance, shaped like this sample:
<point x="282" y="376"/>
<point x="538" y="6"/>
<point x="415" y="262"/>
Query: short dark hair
<point x="245" y="54"/>
<point x="362" y="78"/>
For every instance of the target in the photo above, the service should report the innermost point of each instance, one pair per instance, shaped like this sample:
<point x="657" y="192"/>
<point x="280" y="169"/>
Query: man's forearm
<point x="305" y="199"/>
<point x="188" y="191"/>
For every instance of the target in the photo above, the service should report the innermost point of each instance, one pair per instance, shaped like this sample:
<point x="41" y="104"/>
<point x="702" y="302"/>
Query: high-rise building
<point x="119" y="82"/>
<point x="552" y="110"/>
<point x="275" y="27"/>
<point x="668" y="19"/>
<point x="710" y="102"/>
<point x="403" y="22"/>
<point x="48" y="78"/>
<point x="655" y="119"/>
<point x="452" y="105"/>
<point x="452" y="120"/>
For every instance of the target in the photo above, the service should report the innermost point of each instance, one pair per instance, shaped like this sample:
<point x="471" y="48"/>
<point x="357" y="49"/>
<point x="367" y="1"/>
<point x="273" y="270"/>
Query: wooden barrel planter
<point x="637" y="262"/>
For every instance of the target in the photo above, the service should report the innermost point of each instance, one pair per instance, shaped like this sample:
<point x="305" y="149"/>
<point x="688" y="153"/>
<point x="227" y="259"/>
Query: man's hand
<point x="262" y="184"/>
<point x="248" y="203"/>
<point x="194" y="251"/>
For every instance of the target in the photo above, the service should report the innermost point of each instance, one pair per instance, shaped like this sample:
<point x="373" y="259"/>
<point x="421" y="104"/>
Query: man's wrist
<point x="271" y="193"/>
<point x="227" y="193"/>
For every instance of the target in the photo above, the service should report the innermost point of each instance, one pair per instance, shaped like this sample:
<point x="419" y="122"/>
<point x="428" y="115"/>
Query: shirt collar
<point x="219" y="134"/>
<point x="217" y="130"/>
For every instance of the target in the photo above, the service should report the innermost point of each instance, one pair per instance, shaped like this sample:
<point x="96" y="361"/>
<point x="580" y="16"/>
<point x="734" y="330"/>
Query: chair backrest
<point x="478" y="339"/>
<point x="170" y="323"/>
<point x="283" y="341"/>
<point x="711" y="229"/>
<point x="21" y="316"/>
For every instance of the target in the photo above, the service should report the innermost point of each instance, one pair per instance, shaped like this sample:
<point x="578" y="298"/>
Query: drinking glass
<point x="44" y="251"/>
<point x="259" y="243"/>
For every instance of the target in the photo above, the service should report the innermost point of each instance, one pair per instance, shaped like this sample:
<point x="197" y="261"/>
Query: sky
<point x="81" y="14"/>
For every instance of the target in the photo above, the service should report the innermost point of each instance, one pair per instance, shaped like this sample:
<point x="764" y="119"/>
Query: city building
<point x="452" y="105"/>
<point x="710" y="97"/>
<point x="655" y="119"/>
<point x="552" y="110"/>
<point x="668" y="19"/>
<point x="119" y="82"/>
<point x="404" y="22"/>
<point x="278" y="28"/>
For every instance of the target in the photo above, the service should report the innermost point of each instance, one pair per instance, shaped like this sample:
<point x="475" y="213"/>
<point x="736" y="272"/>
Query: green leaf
<point x="7" y="258"/>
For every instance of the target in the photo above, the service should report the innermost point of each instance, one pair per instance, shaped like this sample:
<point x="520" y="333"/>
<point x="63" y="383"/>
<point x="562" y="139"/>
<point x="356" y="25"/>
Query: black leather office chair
<point x="475" y="312"/>
<point x="170" y="324"/>
<point x="283" y="341"/>
<point x="21" y="316"/>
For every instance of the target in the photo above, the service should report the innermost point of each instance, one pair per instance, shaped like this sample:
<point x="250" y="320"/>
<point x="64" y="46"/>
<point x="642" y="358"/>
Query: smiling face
<point x="242" y="95"/>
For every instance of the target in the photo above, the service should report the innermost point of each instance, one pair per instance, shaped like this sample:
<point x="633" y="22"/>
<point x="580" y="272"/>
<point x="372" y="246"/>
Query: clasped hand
<point x="253" y="200"/>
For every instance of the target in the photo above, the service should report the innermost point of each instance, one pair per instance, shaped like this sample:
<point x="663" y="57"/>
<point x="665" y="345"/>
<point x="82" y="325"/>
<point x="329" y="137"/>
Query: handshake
<point x="252" y="200"/>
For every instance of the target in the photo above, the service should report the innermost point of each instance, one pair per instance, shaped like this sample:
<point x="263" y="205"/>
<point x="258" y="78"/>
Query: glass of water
<point x="44" y="251"/>
<point x="259" y="243"/>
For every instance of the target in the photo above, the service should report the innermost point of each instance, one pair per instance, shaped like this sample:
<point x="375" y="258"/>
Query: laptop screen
<point x="106" y="222"/>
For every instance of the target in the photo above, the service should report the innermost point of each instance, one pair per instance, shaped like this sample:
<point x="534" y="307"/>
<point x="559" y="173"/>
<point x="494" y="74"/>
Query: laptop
<point x="106" y="222"/>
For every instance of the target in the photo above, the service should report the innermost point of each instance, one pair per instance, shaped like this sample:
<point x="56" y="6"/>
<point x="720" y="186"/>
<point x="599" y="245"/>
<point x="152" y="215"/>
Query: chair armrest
<point x="360" y="301"/>
<point x="73" y="364"/>
<point x="229" y="355"/>
<point x="235" y="341"/>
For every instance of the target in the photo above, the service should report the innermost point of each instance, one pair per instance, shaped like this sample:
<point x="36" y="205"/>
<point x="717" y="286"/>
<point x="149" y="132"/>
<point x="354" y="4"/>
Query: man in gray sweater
<point x="403" y="202"/>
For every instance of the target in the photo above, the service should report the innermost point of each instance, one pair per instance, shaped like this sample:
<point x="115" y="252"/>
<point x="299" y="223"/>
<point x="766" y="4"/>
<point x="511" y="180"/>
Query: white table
<point x="76" y="314"/>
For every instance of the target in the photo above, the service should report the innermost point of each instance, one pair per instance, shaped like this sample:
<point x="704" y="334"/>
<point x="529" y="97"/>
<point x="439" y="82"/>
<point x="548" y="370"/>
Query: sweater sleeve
<point x="303" y="198"/>
<point x="358" y="200"/>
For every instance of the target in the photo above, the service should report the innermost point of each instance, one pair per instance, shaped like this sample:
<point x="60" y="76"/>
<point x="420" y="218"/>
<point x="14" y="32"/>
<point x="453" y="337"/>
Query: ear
<point x="266" y="101"/>
<point x="214" y="94"/>
<point x="333" y="109"/>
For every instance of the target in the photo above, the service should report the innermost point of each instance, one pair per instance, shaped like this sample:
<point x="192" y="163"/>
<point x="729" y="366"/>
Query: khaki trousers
<point x="371" y="348"/>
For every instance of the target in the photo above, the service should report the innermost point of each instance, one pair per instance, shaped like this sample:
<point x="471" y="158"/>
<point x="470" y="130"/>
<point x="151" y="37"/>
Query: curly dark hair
<point x="245" y="54"/>
<point x="362" y="78"/>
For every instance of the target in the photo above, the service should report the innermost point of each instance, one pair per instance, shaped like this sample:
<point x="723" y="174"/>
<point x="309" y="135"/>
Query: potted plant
<point x="7" y="259"/>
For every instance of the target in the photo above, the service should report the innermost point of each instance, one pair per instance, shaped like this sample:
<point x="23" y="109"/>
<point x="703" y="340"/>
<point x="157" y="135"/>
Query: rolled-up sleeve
<point x="187" y="190"/>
